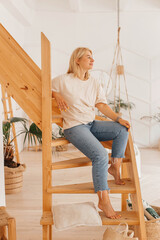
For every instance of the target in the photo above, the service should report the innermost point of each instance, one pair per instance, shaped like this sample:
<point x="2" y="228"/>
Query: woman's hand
<point x="62" y="105"/>
<point x="124" y="123"/>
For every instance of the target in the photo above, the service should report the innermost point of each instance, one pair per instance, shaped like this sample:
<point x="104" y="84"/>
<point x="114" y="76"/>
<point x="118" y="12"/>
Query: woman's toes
<point x="118" y="216"/>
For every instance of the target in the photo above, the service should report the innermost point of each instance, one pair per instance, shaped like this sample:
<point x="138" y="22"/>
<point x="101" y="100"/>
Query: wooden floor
<point x="26" y="206"/>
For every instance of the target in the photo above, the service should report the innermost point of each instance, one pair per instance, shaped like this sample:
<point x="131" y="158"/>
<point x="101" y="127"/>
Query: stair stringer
<point x="136" y="198"/>
<point x="20" y="77"/>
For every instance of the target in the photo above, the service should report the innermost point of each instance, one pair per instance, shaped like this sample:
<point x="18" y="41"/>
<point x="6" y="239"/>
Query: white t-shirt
<point x="81" y="97"/>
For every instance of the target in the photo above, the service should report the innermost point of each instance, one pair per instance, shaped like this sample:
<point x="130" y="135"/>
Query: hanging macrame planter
<point x="119" y="74"/>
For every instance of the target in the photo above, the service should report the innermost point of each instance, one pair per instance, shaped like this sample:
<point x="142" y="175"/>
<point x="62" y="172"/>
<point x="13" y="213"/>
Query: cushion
<point x="66" y="216"/>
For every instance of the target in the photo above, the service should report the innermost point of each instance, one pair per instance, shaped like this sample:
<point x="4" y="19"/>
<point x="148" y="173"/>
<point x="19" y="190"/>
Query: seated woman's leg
<point x="107" y="130"/>
<point x="82" y="138"/>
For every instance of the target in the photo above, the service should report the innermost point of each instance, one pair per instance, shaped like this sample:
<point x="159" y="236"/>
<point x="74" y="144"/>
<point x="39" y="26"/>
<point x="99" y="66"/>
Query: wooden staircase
<point x="31" y="88"/>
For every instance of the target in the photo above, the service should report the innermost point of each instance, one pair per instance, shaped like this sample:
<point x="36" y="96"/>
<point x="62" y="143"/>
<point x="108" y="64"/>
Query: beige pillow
<point x="66" y="216"/>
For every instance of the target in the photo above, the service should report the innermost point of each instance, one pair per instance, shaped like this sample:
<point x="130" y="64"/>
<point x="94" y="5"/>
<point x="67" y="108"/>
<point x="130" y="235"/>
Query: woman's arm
<point x="108" y="112"/>
<point x="60" y="101"/>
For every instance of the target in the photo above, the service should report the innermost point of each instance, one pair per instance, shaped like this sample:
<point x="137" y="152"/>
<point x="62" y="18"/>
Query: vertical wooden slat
<point x="50" y="232"/>
<point x="124" y="197"/>
<point x="6" y="97"/>
<point x="46" y="124"/>
<point x="11" y="229"/>
<point x="4" y="103"/>
<point x="136" y="198"/>
<point x="13" y="130"/>
<point x="45" y="233"/>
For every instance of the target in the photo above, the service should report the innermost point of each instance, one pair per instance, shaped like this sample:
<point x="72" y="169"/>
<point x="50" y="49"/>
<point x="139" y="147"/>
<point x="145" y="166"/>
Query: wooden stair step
<point x="129" y="217"/>
<point x="72" y="163"/>
<point x="59" y="141"/>
<point x="77" y="162"/>
<point x="64" y="141"/>
<point x="88" y="188"/>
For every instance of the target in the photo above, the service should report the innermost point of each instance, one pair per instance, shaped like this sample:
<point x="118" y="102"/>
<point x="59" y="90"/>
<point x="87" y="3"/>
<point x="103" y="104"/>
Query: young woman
<point x="77" y="94"/>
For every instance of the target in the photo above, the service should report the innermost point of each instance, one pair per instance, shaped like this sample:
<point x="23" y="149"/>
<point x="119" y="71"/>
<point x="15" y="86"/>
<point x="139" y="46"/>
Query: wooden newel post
<point x="46" y="129"/>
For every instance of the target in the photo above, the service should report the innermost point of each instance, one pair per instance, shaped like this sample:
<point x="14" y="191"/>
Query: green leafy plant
<point x="120" y="103"/>
<point x="8" y="148"/>
<point x="32" y="133"/>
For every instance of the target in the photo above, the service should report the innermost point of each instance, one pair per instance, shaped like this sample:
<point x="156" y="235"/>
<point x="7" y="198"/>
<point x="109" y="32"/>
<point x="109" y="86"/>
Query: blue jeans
<point x="86" y="138"/>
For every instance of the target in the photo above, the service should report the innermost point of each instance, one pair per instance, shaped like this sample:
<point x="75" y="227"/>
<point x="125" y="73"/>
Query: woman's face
<point x="86" y="62"/>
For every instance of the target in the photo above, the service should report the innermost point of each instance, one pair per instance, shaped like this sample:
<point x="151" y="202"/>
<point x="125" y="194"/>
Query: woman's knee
<point x="123" y="131"/>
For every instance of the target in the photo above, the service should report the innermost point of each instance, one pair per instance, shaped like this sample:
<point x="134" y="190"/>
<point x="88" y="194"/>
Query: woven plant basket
<point x="152" y="227"/>
<point x="14" y="179"/>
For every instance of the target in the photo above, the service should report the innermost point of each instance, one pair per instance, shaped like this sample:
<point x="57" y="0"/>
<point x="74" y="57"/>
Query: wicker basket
<point x="14" y="179"/>
<point x="152" y="227"/>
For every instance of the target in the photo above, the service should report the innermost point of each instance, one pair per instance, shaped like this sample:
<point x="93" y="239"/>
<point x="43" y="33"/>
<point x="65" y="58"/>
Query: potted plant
<point x="120" y="103"/>
<point x="34" y="135"/>
<point x="13" y="170"/>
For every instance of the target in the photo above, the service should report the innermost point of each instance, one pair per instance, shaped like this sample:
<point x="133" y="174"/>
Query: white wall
<point x="140" y="37"/>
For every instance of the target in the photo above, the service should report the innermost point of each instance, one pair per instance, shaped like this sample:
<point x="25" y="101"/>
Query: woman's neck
<point x="82" y="75"/>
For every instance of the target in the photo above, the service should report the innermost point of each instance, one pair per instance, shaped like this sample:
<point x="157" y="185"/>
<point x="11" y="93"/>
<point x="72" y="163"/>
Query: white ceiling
<point x="92" y="5"/>
<point x="145" y="32"/>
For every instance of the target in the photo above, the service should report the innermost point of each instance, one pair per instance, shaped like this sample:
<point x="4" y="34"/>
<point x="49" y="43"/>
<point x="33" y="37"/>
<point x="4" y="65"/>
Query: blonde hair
<point x="73" y="65"/>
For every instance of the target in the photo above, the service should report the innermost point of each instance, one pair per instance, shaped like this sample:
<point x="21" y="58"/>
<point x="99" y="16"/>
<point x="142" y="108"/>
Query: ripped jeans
<point x="87" y="137"/>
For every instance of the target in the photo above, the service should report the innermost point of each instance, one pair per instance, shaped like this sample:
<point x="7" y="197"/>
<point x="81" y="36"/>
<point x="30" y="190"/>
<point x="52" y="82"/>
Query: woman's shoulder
<point x="94" y="80"/>
<point x="62" y="77"/>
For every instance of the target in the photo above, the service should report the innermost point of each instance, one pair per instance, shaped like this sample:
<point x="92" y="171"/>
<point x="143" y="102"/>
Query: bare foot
<point x="108" y="210"/>
<point x="114" y="171"/>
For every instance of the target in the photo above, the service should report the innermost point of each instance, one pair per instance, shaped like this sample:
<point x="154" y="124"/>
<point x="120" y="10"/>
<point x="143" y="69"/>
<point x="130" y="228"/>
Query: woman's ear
<point x="77" y="61"/>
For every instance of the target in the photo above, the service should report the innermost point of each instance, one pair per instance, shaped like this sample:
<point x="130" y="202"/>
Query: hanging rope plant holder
<point x="118" y="65"/>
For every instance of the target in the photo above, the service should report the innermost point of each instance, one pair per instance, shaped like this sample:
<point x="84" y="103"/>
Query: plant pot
<point x="14" y="179"/>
